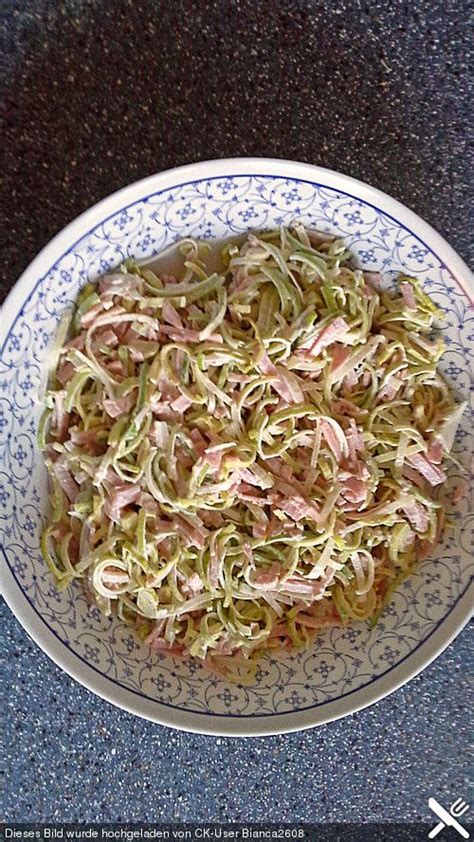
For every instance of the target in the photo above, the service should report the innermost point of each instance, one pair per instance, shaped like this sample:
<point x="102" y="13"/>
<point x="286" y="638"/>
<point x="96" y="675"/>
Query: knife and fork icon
<point x="448" y="819"/>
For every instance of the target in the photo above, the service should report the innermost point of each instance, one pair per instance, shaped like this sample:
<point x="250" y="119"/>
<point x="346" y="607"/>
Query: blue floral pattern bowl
<point x="345" y="669"/>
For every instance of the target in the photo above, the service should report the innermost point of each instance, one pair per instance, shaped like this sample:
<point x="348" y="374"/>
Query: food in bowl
<point x="242" y="457"/>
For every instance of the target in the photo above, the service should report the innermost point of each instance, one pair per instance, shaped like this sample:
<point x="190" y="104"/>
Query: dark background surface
<point x="99" y="94"/>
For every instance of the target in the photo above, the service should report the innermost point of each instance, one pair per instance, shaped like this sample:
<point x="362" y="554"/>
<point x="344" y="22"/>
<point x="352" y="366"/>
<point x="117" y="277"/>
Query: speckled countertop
<point x="99" y="94"/>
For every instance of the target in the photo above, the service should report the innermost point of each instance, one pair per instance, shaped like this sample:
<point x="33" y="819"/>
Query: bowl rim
<point x="20" y="604"/>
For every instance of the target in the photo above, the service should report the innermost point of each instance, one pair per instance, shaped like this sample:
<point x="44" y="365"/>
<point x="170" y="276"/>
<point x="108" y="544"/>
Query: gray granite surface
<point x="99" y="93"/>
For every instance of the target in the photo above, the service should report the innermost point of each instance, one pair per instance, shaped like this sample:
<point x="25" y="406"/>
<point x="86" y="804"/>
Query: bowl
<point x="345" y="669"/>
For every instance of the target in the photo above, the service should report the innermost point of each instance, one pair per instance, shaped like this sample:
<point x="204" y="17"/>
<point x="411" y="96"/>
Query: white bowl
<point x="345" y="669"/>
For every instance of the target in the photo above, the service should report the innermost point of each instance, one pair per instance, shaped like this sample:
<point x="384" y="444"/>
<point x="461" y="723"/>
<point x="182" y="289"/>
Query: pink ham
<point x="304" y="587"/>
<point x="187" y="335"/>
<point x="65" y="372"/>
<point x="266" y="579"/>
<point x="340" y="355"/>
<point x="88" y="440"/>
<point x="60" y="418"/>
<point x="347" y="407"/>
<point x="107" y="337"/>
<point x="297" y="508"/>
<point x="432" y="473"/>
<point x="329" y="334"/>
<point x="355" y="490"/>
<point x="337" y="444"/>
<point x="78" y="342"/>
<point x="414" y="476"/>
<point x="119" y="406"/>
<point x="121" y="496"/>
<point x="116" y="368"/>
<point x="164" y="412"/>
<point x="259" y="530"/>
<point x="113" y="479"/>
<point x="211" y="519"/>
<point x="251" y="495"/>
<point x="286" y="384"/>
<point x="250" y="479"/>
<point x="65" y="479"/>
<point x="408" y="295"/>
<point x="355" y="441"/>
<point x="192" y="585"/>
<point x="350" y="380"/>
<point x="88" y="317"/>
<point x="196" y="535"/>
<point x="266" y="366"/>
<point x="390" y="389"/>
<point x="374" y="278"/>
<point x="198" y="440"/>
<point x="435" y="452"/>
<point x="171" y="315"/>
<point x="417" y="516"/>
<point x="181" y="404"/>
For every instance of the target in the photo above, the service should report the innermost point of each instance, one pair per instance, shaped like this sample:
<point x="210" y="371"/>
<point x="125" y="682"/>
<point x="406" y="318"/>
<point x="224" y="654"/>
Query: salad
<point x="239" y="459"/>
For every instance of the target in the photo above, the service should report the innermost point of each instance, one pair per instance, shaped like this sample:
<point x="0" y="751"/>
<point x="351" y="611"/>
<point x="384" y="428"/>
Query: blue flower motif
<point x="353" y="218"/>
<point x="227" y="697"/>
<point x="14" y="344"/>
<point x="122" y="220"/>
<point x="91" y="653"/>
<point x="324" y="669"/>
<point x="193" y="666"/>
<point x="248" y="213"/>
<point x="390" y="655"/>
<point x="260" y="674"/>
<point x="434" y="598"/>
<point x="418" y="253"/>
<point x="20" y="454"/>
<point x="186" y="211"/>
<point x="130" y="643"/>
<point x="367" y="255"/>
<point x="291" y="196"/>
<point x="227" y="185"/>
<point x="146" y="242"/>
<point x="295" y="700"/>
<point x="29" y="525"/>
<point x="20" y="567"/>
<point x="351" y="635"/>
<point x="453" y="370"/>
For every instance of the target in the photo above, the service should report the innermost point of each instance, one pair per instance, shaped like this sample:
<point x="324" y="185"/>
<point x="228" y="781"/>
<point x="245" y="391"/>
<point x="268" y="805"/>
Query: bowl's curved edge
<point x="279" y="167"/>
<point x="427" y="651"/>
<point x="226" y="725"/>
